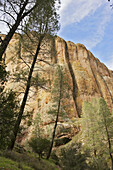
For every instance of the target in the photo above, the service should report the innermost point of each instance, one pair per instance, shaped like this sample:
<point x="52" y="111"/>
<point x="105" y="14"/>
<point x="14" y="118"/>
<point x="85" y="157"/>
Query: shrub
<point x="40" y="146"/>
<point x="73" y="159"/>
<point x="99" y="163"/>
<point x="8" y="114"/>
<point x="55" y="158"/>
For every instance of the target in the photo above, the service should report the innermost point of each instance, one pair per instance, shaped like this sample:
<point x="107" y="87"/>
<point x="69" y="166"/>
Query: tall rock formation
<point x="87" y="77"/>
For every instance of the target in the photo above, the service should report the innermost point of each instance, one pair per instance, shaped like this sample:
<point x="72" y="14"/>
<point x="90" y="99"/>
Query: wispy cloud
<point x="74" y="11"/>
<point x="98" y="35"/>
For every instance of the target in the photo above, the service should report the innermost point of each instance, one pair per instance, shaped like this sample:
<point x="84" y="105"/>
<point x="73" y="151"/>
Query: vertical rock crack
<point x="75" y="87"/>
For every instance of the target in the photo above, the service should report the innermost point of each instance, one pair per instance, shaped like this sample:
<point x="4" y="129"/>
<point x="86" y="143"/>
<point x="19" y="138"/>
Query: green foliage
<point x="98" y="163"/>
<point x="39" y="145"/>
<point x="26" y="161"/>
<point x="37" y="81"/>
<point x="73" y="159"/>
<point x="97" y="131"/>
<point x="44" y="18"/>
<point x="42" y="21"/>
<point x="8" y="112"/>
<point x="55" y="157"/>
<point x="38" y="131"/>
<point x="3" y="76"/>
<point x="58" y="94"/>
<point x="105" y="119"/>
<point x="60" y="80"/>
<point x="7" y="163"/>
<point x="8" y="109"/>
<point x="90" y="133"/>
<point x="21" y="76"/>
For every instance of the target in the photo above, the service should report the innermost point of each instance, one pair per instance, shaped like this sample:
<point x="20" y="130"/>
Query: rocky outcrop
<point x="87" y="77"/>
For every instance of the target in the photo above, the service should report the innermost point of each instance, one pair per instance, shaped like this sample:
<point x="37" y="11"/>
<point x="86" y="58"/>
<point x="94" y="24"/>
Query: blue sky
<point x="89" y="22"/>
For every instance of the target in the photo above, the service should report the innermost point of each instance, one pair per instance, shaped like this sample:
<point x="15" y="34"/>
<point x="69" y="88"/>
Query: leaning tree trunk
<point x="18" y="121"/>
<point x="54" y="131"/>
<point x="20" y="17"/>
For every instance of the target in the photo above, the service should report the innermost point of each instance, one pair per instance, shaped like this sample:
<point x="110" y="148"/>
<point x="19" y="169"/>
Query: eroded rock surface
<point x="87" y="76"/>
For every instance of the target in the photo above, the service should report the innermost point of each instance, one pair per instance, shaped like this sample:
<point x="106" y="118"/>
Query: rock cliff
<point x="87" y="77"/>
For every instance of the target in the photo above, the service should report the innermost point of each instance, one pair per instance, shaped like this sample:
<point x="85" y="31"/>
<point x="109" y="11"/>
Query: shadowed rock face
<point x="87" y="77"/>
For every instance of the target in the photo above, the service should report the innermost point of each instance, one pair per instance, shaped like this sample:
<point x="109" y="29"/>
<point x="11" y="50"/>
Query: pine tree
<point x="97" y="129"/>
<point x="59" y="94"/>
<point x="46" y="23"/>
<point x="9" y="106"/>
<point x="8" y="114"/>
<point x="90" y="127"/>
<point x="106" y="126"/>
<point x="15" y="13"/>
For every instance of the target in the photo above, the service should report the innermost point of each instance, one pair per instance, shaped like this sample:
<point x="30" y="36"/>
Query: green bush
<point x="40" y="146"/>
<point x="99" y="163"/>
<point x="55" y="158"/>
<point x="8" y="114"/>
<point x="73" y="159"/>
<point x="27" y="159"/>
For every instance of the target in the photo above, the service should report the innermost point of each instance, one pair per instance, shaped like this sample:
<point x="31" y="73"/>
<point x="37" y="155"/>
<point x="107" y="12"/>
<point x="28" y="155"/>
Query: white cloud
<point x="64" y="4"/>
<point x="73" y="11"/>
<point x="3" y="28"/>
<point x="98" y="35"/>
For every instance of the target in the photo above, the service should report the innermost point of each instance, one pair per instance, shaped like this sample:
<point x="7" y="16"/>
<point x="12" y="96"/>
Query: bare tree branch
<point x="25" y="62"/>
<point x="1" y="39"/>
<point x="12" y="7"/>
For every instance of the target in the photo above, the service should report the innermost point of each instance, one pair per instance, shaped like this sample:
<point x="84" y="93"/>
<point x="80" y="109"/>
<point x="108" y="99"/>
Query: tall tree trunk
<point x="8" y="37"/>
<point x="54" y="131"/>
<point x="18" y="121"/>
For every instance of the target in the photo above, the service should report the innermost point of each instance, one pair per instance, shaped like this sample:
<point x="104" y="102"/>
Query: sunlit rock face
<point x="87" y="77"/>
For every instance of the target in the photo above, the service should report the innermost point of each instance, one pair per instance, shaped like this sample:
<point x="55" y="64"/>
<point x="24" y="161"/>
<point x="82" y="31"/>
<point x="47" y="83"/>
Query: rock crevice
<point x="75" y="87"/>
